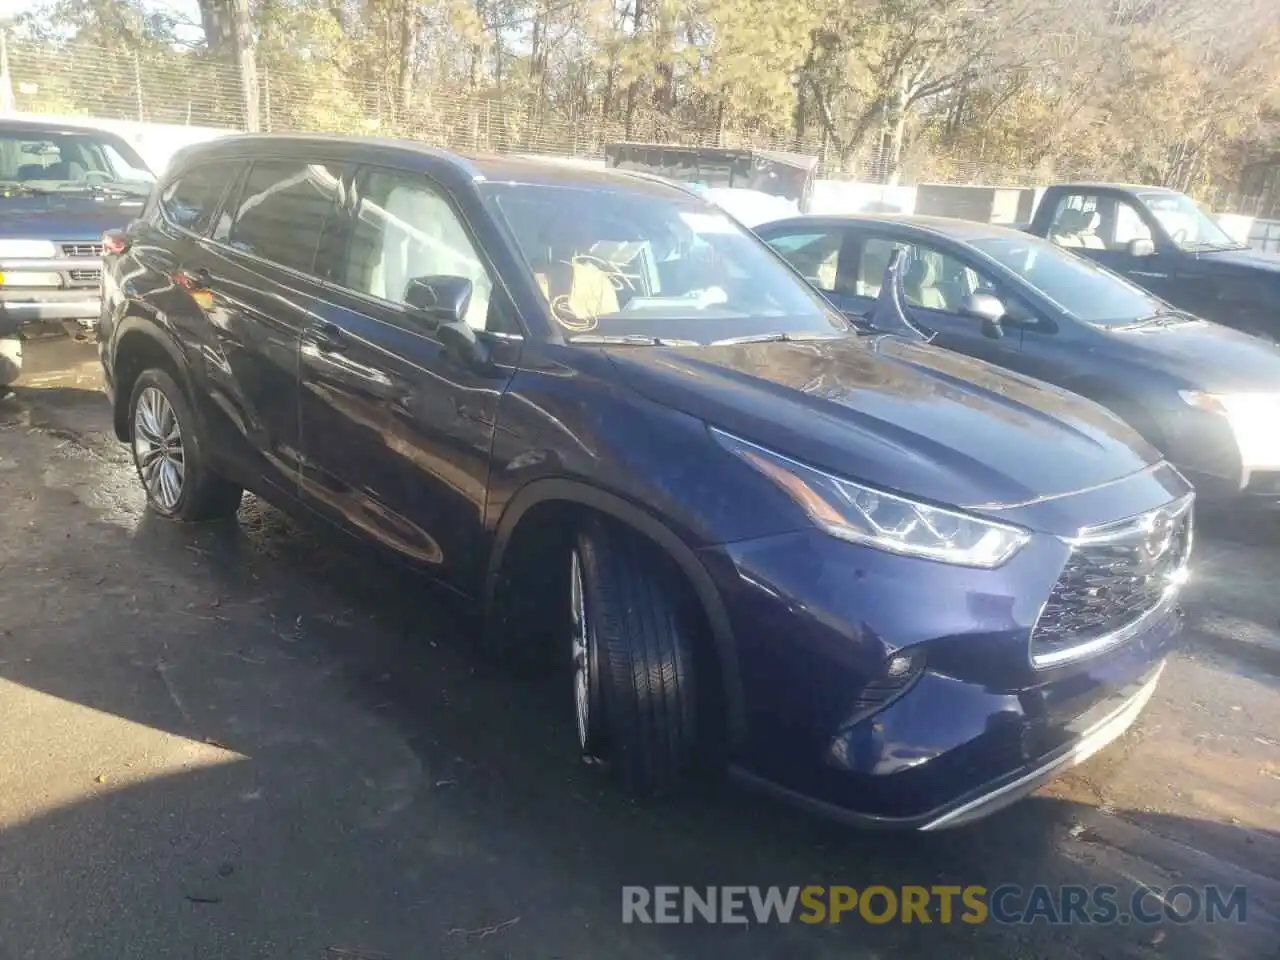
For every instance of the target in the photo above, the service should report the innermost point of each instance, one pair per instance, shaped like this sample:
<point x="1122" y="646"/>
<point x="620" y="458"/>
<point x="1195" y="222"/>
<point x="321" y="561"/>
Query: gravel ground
<point x="256" y="741"/>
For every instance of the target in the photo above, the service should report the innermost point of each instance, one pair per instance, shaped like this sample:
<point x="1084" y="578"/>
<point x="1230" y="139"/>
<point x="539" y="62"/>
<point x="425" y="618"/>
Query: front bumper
<point x="76" y="294"/>
<point x="19" y="306"/>
<point x="1099" y="728"/>
<point x="814" y="622"/>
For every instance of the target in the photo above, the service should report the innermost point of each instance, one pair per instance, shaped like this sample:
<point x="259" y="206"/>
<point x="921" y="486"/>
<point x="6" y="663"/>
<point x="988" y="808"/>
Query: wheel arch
<point x="140" y="343"/>
<point x="575" y="493"/>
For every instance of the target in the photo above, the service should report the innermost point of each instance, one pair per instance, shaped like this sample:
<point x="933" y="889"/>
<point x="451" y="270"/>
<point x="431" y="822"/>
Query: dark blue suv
<point x="879" y="578"/>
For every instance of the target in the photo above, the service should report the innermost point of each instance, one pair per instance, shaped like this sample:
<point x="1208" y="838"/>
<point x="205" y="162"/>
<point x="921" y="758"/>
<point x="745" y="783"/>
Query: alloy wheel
<point x="157" y="447"/>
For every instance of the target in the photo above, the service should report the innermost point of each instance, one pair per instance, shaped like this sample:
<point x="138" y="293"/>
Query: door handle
<point x="317" y="352"/>
<point x="328" y="336"/>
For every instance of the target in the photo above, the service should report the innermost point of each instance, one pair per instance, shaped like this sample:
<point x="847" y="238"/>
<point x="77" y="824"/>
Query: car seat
<point x="1088" y="234"/>
<point x="919" y="283"/>
<point x="1066" y="231"/>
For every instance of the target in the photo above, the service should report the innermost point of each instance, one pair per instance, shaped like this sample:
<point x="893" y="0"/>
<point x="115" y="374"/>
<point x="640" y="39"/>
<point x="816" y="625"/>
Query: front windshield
<point x="69" y="162"/>
<point x="642" y="264"/>
<point x="1187" y="225"/>
<point x="1079" y="286"/>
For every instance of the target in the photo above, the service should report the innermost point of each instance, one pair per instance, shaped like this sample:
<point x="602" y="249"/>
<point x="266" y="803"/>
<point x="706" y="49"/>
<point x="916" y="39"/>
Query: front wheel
<point x="10" y="360"/>
<point x="634" y="684"/>
<point x="170" y="456"/>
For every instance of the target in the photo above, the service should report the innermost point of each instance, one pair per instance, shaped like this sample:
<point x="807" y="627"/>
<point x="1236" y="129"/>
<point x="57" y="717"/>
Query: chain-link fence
<point x="192" y="90"/>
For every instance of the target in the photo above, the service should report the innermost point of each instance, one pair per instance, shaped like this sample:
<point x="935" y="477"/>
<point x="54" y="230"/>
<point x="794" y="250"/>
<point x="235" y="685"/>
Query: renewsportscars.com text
<point x="1007" y="904"/>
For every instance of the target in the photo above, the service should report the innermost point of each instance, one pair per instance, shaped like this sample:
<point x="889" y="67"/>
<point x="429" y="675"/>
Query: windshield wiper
<point x="775" y="337"/>
<point x="1161" y="318"/>
<point x="631" y="340"/>
<point x="103" y="190"/>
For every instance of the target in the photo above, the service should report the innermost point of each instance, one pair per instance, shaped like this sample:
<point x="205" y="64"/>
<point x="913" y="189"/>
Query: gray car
<point x="1207" y="396"/>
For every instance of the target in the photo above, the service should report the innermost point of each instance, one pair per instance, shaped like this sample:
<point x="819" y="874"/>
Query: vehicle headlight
<point x="27" y="249"/>
<point x="886" y="521"/>
<point x="1260" y="404"/>
<point x="1252" y="418"/>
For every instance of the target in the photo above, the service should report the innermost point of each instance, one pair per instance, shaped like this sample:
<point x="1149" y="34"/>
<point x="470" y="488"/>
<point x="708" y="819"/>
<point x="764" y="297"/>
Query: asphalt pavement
<point x="257" y="740"/>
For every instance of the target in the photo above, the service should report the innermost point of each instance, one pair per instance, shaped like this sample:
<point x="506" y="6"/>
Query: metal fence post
<point x="137" y="86"/>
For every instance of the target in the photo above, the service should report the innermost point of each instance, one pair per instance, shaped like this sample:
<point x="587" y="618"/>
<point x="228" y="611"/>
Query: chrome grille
<point x="82" y="250"/>
<point x="86" y="276"/>
<point x="1114" y="577"/>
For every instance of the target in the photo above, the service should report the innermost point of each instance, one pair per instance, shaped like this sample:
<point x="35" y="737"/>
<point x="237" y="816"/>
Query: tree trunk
<point x="247" y="61"/>
<point x="633" y="89"/>
<point x="895" y="130"/>
<point x="404" y="58"/>
<point x="228" y="33"/>
<point x="798" y="116"/>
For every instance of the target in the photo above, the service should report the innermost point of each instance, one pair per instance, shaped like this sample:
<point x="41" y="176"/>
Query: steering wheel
<point x="96" y="176"/>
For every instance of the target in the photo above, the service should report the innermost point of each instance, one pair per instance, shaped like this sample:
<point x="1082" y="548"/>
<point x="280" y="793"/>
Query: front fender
<point x="570" y="491"/>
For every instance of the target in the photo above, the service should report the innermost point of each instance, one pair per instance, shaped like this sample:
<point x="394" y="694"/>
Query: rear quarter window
<point x="191" y="200"/>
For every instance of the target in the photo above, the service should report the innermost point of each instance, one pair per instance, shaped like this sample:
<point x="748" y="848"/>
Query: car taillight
<point x="114" y="241"/>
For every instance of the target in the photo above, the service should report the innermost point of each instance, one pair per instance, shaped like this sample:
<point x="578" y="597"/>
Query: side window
<point x="874" y="261"/>
<point x="937" y="281"/>
<point x="816" y="254"/>
<point x="404" y="229"/>
<point x="191" y="200"/>
<point x="282" y="211"/>
<point x="1129" y="226"/>
<point x="1076" y="221"/>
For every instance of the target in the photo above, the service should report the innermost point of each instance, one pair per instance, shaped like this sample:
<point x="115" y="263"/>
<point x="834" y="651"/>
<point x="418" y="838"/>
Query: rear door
<point x="258" y="285"/>
<point x="396" y="431"/>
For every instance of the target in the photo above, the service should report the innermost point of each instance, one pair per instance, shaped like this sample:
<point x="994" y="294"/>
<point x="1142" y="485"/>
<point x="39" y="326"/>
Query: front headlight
<point x="1252" y="418"/>
<point x="27" y="249"/>
<point x="882" y="520"/>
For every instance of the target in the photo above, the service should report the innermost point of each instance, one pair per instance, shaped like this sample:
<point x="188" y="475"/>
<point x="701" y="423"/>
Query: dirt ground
<point x="256" y="741"/>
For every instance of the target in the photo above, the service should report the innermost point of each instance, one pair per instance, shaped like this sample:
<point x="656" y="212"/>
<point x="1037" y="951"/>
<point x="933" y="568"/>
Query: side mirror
<point x="989" y="310"/>
<point x="1140" y="248"/>
<point x="439" y="299"/>
<point x="461" y="341"/>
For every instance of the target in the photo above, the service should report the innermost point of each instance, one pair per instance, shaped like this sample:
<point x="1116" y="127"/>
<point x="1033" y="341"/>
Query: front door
<point x="938" y="285"/>
<point x="396" y="431"/>
<point x="1104" y="226"/>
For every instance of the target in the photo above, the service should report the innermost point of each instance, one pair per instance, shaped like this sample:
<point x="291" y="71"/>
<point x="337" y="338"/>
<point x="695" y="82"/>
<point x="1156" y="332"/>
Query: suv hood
<point x="65" y="217"/>
<point x="904" y="417"/>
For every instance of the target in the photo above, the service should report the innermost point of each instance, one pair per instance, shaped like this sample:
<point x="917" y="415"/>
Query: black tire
<point x="640" y="630"/>
<point x="10" y="360"/>
<point x="203" y="494"/>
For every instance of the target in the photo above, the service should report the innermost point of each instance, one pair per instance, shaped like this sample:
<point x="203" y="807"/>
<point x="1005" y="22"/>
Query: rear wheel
<point x="634" y="682"/>
<point x="10" y="360"/>
<point x="169" y="453"/>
